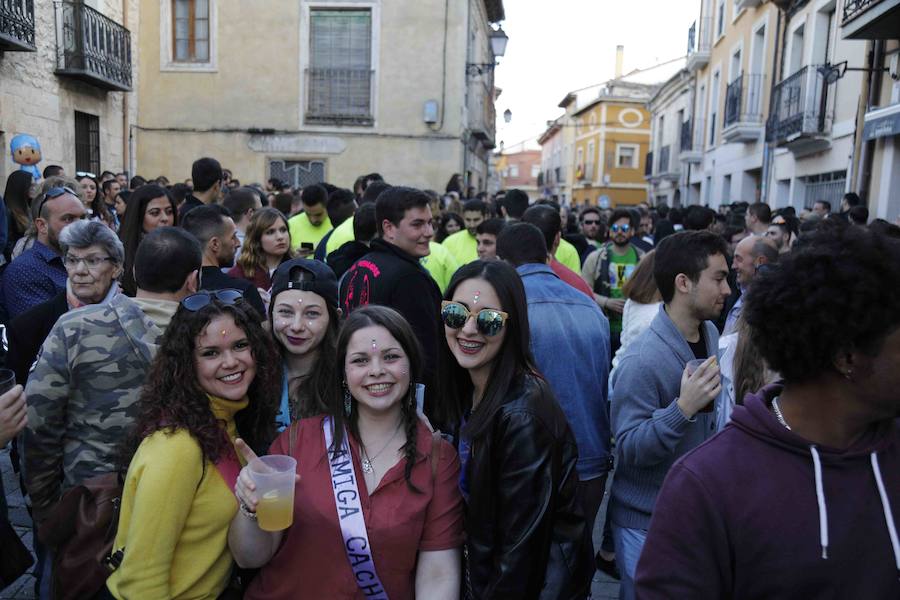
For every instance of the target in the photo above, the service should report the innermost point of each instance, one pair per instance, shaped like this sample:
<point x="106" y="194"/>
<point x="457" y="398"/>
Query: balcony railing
<point x="743" y="100"/>
<point x="699" y="43"/>
<point x="855" y="8"/>
<point x="686" y="135"/>
<point x="664" y="160"/>
<point x="799" y="107"/>
<point x="339" y="96"/>
<point x="871" y="19"/>
<point x="17" y="25"/>
<point x="648" y="166"/>
<point x="92" y="47"/>
<point x="482" y="113"/>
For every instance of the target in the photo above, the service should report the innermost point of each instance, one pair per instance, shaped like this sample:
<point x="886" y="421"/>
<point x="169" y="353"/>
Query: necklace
<point x="778" y="414"/>
<point x="367" y="462"/>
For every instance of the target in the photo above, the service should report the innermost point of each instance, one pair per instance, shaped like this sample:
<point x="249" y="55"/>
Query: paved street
<point x="603" y="587"/>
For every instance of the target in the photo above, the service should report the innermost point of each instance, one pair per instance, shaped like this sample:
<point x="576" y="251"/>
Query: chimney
<point x="620" y="58"/>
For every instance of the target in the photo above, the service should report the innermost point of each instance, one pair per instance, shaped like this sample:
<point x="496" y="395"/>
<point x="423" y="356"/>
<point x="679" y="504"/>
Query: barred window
<point x="190" y="30"/>
<point x="87" y="142"/>
<point x="339" y="77"/>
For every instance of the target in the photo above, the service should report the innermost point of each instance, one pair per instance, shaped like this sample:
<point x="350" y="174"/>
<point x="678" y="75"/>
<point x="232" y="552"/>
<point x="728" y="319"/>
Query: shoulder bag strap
<point x="350" y="515"/>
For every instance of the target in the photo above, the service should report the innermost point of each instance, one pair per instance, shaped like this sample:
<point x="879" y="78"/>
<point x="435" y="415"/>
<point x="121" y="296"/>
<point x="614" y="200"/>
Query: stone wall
<point x="34" y="100"/>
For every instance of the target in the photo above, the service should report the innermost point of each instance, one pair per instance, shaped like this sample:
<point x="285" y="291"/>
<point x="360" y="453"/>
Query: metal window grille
<point x="298" y="173"/>
<point x="339" y="78"/>
<point x="190" y="30"/>
<point x="827" y="186"/>
<point x="87" y="142"/>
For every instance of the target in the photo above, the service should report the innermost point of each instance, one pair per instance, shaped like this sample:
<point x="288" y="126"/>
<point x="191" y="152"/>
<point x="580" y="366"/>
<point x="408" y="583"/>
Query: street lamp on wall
<point x="507" y="115"/>
<point x="498" y="39"/>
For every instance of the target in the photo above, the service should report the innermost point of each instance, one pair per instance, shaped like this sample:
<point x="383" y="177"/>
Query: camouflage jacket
<point x="82" y="395"/>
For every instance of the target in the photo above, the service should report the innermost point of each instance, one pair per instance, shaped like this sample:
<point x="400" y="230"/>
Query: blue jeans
<point x="629" y="543"/>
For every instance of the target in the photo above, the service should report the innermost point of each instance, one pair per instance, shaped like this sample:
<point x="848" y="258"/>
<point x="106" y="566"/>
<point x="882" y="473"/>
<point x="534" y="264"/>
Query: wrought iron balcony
<point x="481" y="111"/>
<point x="871" y="19"/>
<point x="666" y="169"/>
<point x="744" y="109"/>
<point x="17" y="25"/>
<point x="92" y="47"/>
<point x="800" y="120"/>
<point x="339" y="96"/>
<point x="699" y="44"/>
<point x="692" y="141"/>
<point x="686" y="134"/>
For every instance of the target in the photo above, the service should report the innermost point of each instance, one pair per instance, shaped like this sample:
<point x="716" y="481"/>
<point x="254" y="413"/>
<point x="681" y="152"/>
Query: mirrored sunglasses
<point x="229" y="297"/>
<point x="488" y="321"/>
<point x="623" y="228"/>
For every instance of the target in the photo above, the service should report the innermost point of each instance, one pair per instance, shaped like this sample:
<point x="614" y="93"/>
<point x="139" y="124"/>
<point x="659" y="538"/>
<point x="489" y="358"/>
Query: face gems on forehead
<point x="374" y="346"/>
<point x="477" y="296"/>
<point x="224" y="332"/>
<point x="299" y="300"/>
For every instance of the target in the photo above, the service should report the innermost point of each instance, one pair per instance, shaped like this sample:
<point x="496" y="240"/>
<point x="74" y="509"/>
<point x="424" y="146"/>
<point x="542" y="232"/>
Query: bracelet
<point x="245" y="510"/>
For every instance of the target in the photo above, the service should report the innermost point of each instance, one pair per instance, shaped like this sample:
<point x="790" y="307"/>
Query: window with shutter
<point x="190" y="31"/>
<point x="87" y="142"/>
<point x="339" y="77"/>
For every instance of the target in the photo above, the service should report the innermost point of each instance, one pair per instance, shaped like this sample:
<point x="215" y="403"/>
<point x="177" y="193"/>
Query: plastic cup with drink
<point x="7" y="380"/>
<point x="274" y="476"/>
<point x="692" y="366"/>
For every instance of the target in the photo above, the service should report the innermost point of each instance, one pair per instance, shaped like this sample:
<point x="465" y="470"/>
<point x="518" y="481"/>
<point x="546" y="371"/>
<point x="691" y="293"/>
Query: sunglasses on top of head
<point x="228" y="297"/>
<point x="488" y="321"/>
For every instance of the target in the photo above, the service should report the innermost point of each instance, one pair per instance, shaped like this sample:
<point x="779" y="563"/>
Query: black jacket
<point x="390" y="277"/>
<point x="343" y="258"/>
<point x="212" y="279"/>
<point x="526" y="533"/>
<point x="28" y="331"/>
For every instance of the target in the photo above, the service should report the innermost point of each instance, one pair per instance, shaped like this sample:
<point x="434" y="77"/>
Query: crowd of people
<point x="460" y="378"/>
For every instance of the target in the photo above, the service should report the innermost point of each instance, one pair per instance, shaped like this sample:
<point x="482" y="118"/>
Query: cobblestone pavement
<point x="18" y="516"/>
<point x="603" y="588"/>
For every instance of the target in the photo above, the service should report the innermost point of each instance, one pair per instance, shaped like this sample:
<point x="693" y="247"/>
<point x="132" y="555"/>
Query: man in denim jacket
<point x="570" y="342"/>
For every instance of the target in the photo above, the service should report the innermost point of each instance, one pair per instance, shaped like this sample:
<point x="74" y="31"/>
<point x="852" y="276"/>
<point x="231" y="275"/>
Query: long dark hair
<point x="513" y="361"/>
<point x="131" y="230"/>
<point x="397" y="326"/>
<point x="310" y="397"/>
<point x="172" y="398"/>
<point x="18" y="200"/>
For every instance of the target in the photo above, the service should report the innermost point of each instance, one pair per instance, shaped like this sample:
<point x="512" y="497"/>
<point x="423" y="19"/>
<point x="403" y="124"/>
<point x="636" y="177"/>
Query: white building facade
<point x="670" y="110"/>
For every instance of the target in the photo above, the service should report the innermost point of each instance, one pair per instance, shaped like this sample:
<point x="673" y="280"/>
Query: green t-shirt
<point x="620" y="270"/>
<point x="463" y="246"/>
<point x="441" y="264"/>
<point x="343" y="233"/>
<point x="568" y="255"/>
<point x="304" y="231"/>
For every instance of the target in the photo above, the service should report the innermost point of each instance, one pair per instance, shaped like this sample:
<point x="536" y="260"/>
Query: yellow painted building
<point x="612" y="138"/>
<point x="318" y="90"/>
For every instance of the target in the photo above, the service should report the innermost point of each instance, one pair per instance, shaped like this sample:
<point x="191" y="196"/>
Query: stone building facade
<point x="66" y="78"/>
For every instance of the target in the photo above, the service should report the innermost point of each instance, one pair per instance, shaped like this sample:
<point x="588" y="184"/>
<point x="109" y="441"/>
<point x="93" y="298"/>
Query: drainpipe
<point x="867" y="154"/>
<point x="768" y="153"/>
<point x="126" y="154"/>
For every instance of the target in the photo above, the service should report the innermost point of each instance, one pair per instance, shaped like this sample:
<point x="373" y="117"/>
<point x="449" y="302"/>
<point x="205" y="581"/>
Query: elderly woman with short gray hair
<point x="93" y="257"/>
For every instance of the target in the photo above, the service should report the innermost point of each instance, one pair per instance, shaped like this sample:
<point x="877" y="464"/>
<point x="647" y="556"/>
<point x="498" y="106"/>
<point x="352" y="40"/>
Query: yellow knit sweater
<point x="174" y="520"/>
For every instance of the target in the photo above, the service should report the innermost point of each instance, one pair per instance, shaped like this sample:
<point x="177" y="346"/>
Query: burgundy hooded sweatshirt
<point x="759" y="512"/>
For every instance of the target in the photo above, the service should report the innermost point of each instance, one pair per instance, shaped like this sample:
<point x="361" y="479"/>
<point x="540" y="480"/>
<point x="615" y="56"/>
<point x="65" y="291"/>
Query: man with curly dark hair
<point x="799" y="496"/>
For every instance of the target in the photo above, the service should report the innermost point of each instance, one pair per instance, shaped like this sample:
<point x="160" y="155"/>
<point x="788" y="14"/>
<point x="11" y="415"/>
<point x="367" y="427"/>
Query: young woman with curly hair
<point x="215" y="378"/>
<point x="404" y="476"/>
<point x="267" y="244"/>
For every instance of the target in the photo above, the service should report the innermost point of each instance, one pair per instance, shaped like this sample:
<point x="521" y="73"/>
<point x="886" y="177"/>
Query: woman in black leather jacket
<point x="526" y="536"/>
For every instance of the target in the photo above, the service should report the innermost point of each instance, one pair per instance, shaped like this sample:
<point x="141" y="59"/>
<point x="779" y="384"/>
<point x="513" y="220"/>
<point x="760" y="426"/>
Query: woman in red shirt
<point x="406" y="480"/>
